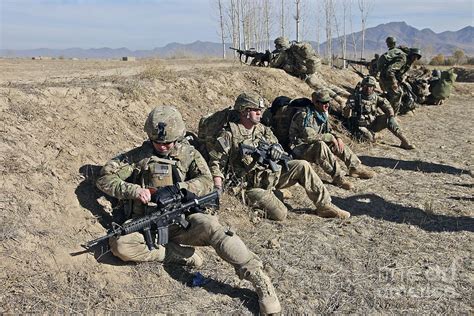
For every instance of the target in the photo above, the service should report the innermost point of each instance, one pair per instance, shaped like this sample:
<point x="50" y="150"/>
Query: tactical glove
<point x="276" y="151"/>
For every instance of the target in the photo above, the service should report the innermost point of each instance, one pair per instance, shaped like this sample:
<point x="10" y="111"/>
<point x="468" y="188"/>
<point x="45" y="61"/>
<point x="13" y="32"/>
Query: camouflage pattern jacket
<point x="142" y="166"/>
<point x="365" y="108"/>
<point x="227" y="157"/>
<point x="390" y="66"/>
<point x="309" y="126"/>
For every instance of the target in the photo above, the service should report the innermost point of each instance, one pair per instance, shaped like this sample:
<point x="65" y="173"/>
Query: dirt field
<point x="408" y="248"/>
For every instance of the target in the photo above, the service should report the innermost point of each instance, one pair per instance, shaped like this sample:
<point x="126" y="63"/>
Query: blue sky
<point x="145" y="24"/>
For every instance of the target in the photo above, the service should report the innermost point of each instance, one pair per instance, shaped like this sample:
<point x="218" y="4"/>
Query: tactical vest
<point x="246" y="167"/>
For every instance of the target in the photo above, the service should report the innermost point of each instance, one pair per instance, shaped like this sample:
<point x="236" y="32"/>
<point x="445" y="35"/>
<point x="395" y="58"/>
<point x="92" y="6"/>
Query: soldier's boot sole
<point x="361" y="172"/>
<point x="332" y="211"/>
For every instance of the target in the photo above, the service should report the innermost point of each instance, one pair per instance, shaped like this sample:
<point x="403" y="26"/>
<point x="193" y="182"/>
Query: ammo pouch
<point x="362" y="123"/>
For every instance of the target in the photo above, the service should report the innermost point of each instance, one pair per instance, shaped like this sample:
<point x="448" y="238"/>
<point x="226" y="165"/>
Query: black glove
<point x="167" y="195"/>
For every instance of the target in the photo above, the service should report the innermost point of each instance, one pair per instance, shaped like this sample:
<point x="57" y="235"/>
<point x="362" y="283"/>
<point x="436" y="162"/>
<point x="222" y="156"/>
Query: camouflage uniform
<point x="390" y="66"/>
<point x="258" y="181"/>
<point x="311" y="139"/>
<point x="282" y="60"/>
<point x="366" y="118"/>
<point x="184" y="167"/>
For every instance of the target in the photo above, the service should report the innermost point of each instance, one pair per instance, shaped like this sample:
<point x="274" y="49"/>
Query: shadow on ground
<point x="249" y="298"/>
<point x="374" y="206"/>
<point x="416" y="165"/>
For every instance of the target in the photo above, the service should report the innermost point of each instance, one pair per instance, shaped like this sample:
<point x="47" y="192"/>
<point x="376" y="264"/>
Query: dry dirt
<point x="408" y="248"/>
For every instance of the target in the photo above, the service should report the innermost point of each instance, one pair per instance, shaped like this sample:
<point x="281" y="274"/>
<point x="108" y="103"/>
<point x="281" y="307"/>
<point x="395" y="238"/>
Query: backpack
<point x="441" y="89"/>
<point x="388" y="58"/>
<point x="211" y="125"/>
<point x="303" y="60"/>
<point x="283" y="109"/>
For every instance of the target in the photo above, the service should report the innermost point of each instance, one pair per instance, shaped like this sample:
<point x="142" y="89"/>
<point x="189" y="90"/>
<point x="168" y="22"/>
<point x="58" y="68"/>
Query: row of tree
<point x="255" y="23"/>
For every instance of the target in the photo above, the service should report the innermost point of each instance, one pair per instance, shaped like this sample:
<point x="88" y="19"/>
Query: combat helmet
<point x="369" y="81"/>
<point x="282" y="41"/>
<point x="415" y="52"/>
<point x="164" y="124"/>
<point x="249" y="100"/>
<point x="391" y="41"/>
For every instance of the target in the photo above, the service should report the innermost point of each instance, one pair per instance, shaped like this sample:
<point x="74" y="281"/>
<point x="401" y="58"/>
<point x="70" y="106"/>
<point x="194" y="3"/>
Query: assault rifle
<point x="168" y="211"/>
<point x="361" y="62"/>
<point x="262" y="154"/>
<point x="258" y="59"/>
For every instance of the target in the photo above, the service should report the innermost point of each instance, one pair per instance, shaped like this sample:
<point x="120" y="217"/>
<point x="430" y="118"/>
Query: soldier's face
<point x="322" y="107"/>
<point x="254" y="115"/>
<point x="367" y="90"/>
<point x="163" y="148"/>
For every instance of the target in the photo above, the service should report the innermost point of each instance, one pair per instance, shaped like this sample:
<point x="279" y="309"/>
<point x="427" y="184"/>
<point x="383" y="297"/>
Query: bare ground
<point x="407" y="249"/>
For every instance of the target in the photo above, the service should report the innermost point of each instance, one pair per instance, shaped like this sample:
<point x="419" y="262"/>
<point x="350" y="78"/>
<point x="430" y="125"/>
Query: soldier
<point x="167" y="159"/>
<point x="259" y="181"/>
<point x="312" y="139"/>
<point x="364" y="118"/>
<point x="389" y="65"/>
<point x="294" y="62"/>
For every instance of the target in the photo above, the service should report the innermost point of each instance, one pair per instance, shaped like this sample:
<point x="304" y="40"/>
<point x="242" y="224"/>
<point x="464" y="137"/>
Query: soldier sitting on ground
<point x="167" y="160"/>
<point x="364" y="118"/>
<point x="312" y="139"/>
<point x="258" y="179"/>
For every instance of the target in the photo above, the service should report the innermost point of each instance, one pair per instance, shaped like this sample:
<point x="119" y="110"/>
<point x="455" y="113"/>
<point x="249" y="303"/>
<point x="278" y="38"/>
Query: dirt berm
<point x="408" y="248"/>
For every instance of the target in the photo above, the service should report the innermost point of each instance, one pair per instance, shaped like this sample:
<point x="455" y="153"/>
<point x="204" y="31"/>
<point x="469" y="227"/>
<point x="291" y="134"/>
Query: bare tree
<point x="221" y="26"/>
<point x="297" y="18"/>
<point x="282" y="18"/>
<point x="266" y="19"/>
<point x="344" y="41"/>
<point x="364" y="8"/>
<point x="318" y="27"/>
<point x="328" y="20"/>
<point x="354" y="43"/>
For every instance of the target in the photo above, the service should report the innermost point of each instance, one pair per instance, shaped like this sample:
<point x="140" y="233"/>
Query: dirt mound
<point x="408" y="246"/>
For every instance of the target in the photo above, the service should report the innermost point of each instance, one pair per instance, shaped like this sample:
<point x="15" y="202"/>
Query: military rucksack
<point x="303" y="60"/>
<point x="283" y="109"/>
<point x="441" y="89"/>
<point x="388" y="58"/>
<point x="212" y="124"/>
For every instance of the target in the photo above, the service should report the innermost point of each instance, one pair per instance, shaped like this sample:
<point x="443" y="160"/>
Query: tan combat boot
<point x="342" y="183"/>
<point x="361" y="172"/>
<point x="267" y="298"/>
<point x="332" y="211"/>
<point x="405" y="143"/>
<point x="186" y="256"/>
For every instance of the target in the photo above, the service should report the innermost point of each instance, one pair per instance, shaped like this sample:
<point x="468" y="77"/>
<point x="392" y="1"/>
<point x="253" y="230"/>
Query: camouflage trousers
<point x="204" y="230"/>
<point x="380" y="123"/>
<point x="324" y="155"/>
<point x="299" y="172"/>
<point x="393" y="96"/>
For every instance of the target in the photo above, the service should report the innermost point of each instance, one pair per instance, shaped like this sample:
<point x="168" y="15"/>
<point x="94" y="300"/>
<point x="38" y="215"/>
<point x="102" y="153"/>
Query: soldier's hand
<point x="395" y="86"/>
<point x="340" y="145"/>
<point x="144" y="195"/>
<point x="276" y="151"/>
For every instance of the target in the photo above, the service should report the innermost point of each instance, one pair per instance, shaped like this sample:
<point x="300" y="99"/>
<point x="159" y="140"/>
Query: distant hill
<point x="430" y="42"/>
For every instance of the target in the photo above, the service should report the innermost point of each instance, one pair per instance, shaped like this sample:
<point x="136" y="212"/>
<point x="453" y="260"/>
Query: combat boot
<point x="405" y="144"/>
<point x="341" y="182"/>
<point x="186" y="256"/>
<point x="361" y="172"/>
<point x="332" y="211"/>
<point x="267" y="298"/>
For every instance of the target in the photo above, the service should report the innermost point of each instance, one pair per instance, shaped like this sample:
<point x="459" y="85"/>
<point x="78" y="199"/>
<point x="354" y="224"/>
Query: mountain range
<point x="430" y="42"/>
